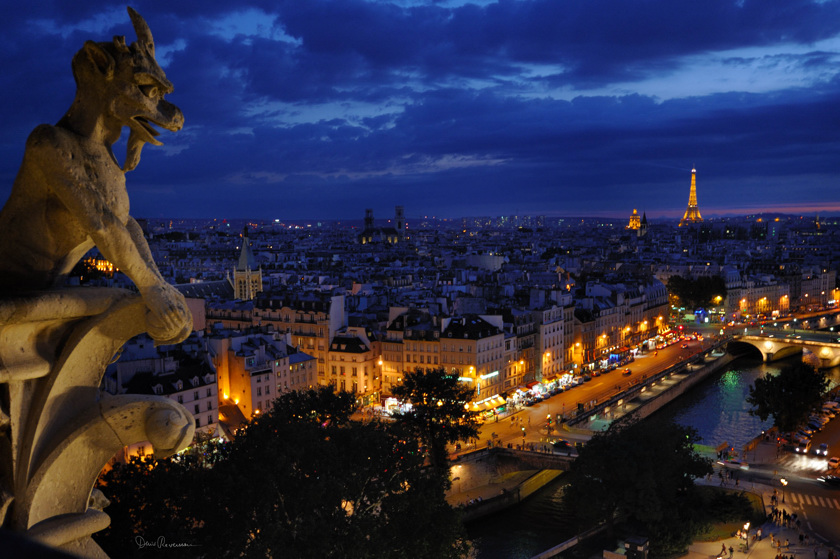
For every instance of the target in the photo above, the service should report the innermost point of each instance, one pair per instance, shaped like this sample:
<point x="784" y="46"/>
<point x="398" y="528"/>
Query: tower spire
<point x="692" y="213"/>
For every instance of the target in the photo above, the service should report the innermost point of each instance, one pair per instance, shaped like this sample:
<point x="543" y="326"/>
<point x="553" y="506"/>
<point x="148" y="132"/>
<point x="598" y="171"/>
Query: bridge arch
<point x="744" y="349"/>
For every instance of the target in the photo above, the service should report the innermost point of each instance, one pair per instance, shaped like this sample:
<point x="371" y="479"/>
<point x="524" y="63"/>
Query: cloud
<point x="585" y="106"/>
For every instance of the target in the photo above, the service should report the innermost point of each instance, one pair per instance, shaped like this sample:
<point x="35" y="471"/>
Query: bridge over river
<point x="777" y="343"/>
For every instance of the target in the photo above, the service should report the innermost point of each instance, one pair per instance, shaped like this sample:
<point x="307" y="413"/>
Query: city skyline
<point x="320" y="110"/>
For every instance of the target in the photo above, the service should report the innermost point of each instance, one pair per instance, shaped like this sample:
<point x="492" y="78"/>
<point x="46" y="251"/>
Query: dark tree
<point x="150" y="499"/>
<point x="439" y="413"/>
<point x="789" y="396"/>
<point x="301" y="481"/>
<point x="643" y="474"/>
<point x="697" y="293"/>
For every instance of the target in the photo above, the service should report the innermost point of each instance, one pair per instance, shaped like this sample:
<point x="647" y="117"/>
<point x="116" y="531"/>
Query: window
<point x="195" y="395"/>
<point x="197" y="422"/>
<point x="259" y="391"/>
<point x="209" y="406"/>
<point x="196" y="408"/>
<point x="180" y="398"/>
<point x="267" y="390"/>
<point x="209" y="419"/>
<point x="209" y="392"/>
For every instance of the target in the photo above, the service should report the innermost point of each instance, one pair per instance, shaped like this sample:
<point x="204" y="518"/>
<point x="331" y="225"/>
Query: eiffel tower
<point x="692" y="213"/>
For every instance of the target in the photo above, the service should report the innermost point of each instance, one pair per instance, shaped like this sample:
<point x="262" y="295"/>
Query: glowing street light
<point x="747" y="534"/>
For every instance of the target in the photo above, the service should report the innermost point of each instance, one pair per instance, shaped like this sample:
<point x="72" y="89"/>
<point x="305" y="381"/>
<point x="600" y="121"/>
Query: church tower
<point x="399" y="221"/>
<point x="692" y="213"/>
<point x="247" y="276"/>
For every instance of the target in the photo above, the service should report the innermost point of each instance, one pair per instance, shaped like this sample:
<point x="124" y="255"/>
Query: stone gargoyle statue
<point x="57" y="429"/>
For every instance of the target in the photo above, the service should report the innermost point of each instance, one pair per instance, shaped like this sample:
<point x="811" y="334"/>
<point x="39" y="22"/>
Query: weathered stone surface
<point x="57" y="430"/>
<point x="70" y="194"/>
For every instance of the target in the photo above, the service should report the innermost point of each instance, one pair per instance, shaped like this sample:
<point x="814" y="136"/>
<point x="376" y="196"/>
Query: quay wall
<point x="536" y="482"/>
<point x="697" y="369"/>
<point x="509" y="497"/>
<point x="653" y="404"/>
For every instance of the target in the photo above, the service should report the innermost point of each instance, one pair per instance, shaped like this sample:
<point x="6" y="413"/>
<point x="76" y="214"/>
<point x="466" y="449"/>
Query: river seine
<point x="716" y="408"/>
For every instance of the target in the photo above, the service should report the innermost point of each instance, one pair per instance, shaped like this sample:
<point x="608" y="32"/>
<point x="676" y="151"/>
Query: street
<point x="534" y="418"/>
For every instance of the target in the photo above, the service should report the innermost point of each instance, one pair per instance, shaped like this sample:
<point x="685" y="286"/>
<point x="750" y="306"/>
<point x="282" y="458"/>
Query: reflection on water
<point x="716" y="407"/>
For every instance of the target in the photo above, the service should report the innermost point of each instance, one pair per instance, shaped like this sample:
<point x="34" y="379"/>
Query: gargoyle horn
<point x="141" y="28"/>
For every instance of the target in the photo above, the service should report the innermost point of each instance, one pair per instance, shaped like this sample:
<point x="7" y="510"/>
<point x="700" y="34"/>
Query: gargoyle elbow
<point x="137" y="418"/>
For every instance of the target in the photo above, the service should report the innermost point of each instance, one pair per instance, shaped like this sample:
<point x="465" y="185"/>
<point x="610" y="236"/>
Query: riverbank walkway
<point x="786" y="539"/>
<point x="480" y="484"/>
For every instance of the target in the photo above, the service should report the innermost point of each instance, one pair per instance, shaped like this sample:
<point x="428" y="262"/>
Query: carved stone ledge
<point x="59" y="429"/>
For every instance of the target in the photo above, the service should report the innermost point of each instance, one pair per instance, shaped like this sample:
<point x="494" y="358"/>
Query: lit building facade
<point x="352" y="365"/>
<point x="253" y="368"/>
<point x="758" y="297"/>
<point x="550" y="341"/>
<point x="473" y="347"/>
<point x="412" y="340"/>
<point x="312" y="318"/>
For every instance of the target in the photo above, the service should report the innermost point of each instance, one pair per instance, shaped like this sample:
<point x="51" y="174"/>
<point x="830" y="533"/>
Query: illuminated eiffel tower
<point x="692" y="213"/>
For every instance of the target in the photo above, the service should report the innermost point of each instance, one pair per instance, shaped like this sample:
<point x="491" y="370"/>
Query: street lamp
<point x="747" y="534"/>
<point x="784" y="483"/>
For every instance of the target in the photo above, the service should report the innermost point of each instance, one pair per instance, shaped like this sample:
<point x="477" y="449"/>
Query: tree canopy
<point x="789" y="396"/>
<point x="697" y="293"/>
<point x="301" y="480"/>
<point x="643" y="474"/>
<point x="439" y="413"/>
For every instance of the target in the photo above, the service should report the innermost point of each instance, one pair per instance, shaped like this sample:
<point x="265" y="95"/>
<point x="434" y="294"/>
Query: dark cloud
<point x="323" y="108"/>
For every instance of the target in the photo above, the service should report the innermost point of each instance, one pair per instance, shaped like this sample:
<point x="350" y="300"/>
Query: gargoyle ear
<point x="119" y="43"/>
<point x="99" y="59"/>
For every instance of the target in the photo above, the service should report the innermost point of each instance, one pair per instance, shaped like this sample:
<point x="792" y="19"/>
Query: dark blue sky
<point x="320" y="109"/>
